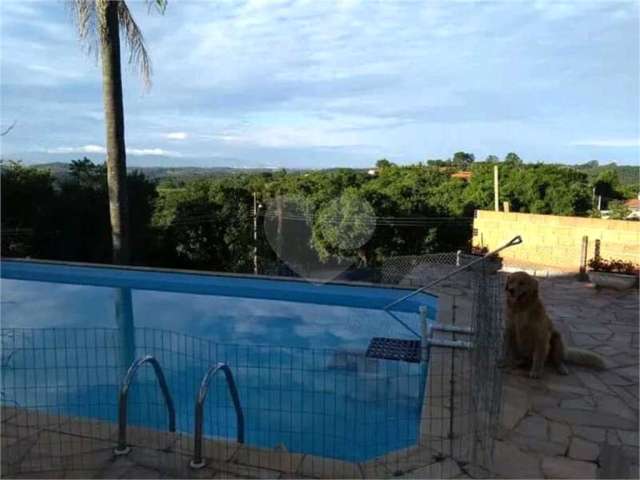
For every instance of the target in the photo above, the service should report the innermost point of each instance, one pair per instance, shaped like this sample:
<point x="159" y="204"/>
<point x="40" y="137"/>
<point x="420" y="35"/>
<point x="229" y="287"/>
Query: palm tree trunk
<point x="114" y="122"/>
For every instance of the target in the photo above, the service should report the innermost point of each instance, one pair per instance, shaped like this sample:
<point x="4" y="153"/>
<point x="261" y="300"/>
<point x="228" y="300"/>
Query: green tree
<point x="438" y="163"/>
<point x="463" y="160"/>
<point x="99" y="21"/>
<point x="513" y="159"/>
<point x="608" y="185"/>
<point x="538" y="188"/>
<point x="88" y="174"/>
<point x="618" y="210"/>
<point x="344" y="227"/>
<point x="207" y="225"/>
<point x="67" y="218"/>
<point x="384" y="163"/>
<point x="27" y="196"/>
<point x="492" y="159"/>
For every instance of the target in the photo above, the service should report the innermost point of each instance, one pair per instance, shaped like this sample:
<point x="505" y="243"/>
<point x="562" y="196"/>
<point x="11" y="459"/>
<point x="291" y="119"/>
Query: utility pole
<point x="496" y="188"/>
<point x="255" y="233"/>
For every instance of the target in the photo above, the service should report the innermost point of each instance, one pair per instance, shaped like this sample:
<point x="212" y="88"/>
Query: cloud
<point x="155" y="152"/>
<point x="177" y="135"/>
<point x="610" y="143"/>
<point x="82" y="149"/>
<point x="98" y="149"/>
<point x="288" y="81"/>
<point x="290" y="136"/>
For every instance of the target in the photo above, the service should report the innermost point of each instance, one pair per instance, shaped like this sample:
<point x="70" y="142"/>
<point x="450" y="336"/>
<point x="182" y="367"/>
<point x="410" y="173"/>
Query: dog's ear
<point x="533" y="286"/>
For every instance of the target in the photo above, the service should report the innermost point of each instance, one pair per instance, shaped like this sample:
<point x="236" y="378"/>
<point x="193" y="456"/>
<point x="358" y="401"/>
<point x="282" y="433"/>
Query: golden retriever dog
<point x="530" y="337"/>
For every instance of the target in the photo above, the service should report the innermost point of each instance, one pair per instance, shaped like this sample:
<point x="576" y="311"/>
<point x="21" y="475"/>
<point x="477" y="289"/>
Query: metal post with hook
<point x="514" y="241"/>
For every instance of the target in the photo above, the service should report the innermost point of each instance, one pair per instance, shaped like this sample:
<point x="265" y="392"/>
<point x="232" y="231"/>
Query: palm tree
<point x="99" y="23"/>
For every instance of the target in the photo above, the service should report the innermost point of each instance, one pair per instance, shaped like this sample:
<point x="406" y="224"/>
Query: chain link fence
<point x="307" y="412"/>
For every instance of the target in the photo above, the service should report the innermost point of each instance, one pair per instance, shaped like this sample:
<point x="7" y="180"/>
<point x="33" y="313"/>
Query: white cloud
<point x="156" y="152"/>
<point x="407" y="79"/>
<point x="159" y="152"/>
<point x="612" y="142"/>
<point x="82" y="149"/>
<point x="177" y="135"/>
<point x="289" y="137"/>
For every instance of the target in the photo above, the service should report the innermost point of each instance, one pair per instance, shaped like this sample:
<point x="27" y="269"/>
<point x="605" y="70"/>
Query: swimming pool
<point x="295" y="348"/>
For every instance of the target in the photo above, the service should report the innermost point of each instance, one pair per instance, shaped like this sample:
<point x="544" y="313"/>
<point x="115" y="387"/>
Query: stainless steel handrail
<point x="514" y="241"/>
<point x="197" y="461"/>
<point x="123" y="448"/>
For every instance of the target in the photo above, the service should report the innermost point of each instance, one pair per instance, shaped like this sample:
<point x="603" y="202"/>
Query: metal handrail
<point x="514" y="241"/>
<point x="197" y="461"/>
<point x="123" y="448"/>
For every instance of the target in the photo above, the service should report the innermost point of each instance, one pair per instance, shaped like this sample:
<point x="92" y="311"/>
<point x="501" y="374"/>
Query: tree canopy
<point x="207" y="223"/>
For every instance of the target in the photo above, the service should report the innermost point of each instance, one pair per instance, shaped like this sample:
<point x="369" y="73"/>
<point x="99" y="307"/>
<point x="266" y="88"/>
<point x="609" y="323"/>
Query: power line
<point x="372" y="221"/>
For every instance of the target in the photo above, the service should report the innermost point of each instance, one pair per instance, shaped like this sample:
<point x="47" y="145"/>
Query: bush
<point x="614" y="266"/>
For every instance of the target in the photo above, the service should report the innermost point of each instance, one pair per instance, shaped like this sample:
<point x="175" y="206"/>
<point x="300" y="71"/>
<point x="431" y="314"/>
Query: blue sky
<point x="319" y="83"/>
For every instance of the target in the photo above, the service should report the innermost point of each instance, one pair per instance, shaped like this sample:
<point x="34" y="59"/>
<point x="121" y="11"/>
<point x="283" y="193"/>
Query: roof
<point x="464" y="175"/>
<point x="633" y="204"/>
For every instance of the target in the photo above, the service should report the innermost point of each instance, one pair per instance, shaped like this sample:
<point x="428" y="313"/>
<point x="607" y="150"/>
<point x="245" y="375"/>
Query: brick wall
<point x="553" y="241"/>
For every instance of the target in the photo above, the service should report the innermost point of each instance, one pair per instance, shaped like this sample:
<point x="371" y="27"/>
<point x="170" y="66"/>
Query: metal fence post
<point x="583" y="256"/>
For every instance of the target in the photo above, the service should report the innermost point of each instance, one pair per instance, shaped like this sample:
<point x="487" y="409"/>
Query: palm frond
<point x="161" y="5"/>
<point x="84" y="15"/>
<point x="138" y="55"/>
<point x="86" y="20"/>
<point x="8" y="129"/>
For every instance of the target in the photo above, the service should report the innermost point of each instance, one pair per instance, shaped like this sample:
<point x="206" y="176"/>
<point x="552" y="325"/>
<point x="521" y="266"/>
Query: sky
<point x="319" y="83"/>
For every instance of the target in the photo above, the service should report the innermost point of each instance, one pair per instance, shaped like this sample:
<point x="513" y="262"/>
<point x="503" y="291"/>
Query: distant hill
<point x="628" y="174"/>
<point x="60" y="170"/>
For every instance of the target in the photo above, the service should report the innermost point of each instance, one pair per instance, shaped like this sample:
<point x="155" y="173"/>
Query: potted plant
<point x="616" y="274"/>
<point x="492" y="264"/>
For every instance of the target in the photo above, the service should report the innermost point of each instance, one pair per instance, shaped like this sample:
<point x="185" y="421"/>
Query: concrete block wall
<point x="554" y="241"/>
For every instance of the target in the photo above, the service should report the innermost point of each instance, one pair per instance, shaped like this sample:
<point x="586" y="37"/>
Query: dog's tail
<point x="578" y="356"/>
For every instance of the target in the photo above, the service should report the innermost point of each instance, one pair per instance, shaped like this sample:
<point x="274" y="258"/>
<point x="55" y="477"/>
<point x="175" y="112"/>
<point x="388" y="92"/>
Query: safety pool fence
<point x="304" y="411"/>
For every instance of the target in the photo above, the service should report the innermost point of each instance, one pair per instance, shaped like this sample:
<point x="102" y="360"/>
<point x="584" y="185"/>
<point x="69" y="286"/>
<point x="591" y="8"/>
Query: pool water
<point x="296" y="350"/>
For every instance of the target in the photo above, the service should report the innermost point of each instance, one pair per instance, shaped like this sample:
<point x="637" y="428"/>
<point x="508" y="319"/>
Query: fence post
<point x="452" y="379"/>
<point x="596" y="253"/>
<point x="496" y="189"/>
<point x="424" y="332"/>
<point x="583" y="256"/>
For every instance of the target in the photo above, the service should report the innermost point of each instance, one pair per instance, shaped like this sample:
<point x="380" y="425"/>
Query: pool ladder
<point x="197" y="462"/>
<point x="123" y="448"/>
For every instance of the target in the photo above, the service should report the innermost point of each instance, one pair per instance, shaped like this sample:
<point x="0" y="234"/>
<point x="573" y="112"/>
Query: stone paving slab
<point x="584" y="425"/>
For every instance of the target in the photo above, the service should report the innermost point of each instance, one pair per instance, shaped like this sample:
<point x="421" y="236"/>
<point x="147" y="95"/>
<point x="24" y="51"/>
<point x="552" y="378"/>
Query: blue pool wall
<point x="247" y="286"/>
<point x="322" y="401"/>
<point x="317" y="401"/>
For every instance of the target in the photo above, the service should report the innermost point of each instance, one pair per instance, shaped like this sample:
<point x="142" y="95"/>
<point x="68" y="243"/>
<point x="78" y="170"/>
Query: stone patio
<point x="584" y="425"/>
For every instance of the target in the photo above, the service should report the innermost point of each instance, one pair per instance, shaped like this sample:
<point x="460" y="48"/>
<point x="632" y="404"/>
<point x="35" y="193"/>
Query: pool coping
<point x="206" y="273"/>
<point x="60" y="444"/>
